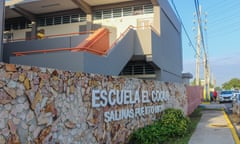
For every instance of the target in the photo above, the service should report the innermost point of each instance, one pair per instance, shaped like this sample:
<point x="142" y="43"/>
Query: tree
<point x="232" y="84"/>
<point x="217" y="88"/>
<point x="193" y="82"/>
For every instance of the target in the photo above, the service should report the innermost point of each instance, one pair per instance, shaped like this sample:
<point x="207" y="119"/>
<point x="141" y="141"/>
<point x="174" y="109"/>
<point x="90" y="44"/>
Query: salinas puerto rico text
<point x="128" y="98"/>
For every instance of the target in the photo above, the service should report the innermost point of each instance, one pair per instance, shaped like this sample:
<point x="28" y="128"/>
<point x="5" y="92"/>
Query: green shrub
<point x="172" y="124"/>
<point x="146" y="135"/>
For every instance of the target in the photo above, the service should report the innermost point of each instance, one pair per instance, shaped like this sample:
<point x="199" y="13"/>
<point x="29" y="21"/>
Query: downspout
<point x="2" y="19"/>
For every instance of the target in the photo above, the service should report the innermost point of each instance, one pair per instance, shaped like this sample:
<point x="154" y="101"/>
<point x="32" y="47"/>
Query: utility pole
<point x="206" y="68"/>
<point x="198" y="48"/>
<point x="213" y="81"/>
<point x="206" y="76"/>
<point x="201" y="44"/>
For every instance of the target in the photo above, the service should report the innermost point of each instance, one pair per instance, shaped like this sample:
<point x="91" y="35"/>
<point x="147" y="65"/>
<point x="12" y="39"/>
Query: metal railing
<point x="95" y="51"/>
<point x="52" y="36"/>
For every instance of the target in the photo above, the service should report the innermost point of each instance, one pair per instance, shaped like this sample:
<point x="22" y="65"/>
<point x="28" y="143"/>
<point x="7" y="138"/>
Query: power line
<point x="186" y="33"/>
<point x="216" y="4"/>
<point x="200" y="24"/>
<point x="205" y="61"/>
<point x="228" y="14"/>
<point x="219" y="23"/>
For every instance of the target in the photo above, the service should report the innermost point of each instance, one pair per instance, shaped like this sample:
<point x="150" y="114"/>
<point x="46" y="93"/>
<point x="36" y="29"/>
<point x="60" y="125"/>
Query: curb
<point x="233" y="131"/>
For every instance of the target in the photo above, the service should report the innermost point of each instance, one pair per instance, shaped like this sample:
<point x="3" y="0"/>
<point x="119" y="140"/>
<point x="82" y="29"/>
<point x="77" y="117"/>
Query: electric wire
<point x="226" y="22"/>
<point x="226" y="14"/>
<point x="200" y="25"/>
<point x="198" y="12"/>
<point x="185" y="31"/>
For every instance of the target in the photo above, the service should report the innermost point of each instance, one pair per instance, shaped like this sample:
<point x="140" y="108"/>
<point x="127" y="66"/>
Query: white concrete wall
<point x="116" y="26"/>
<point x="50" y="30"/>
<point x="122" y="23"/>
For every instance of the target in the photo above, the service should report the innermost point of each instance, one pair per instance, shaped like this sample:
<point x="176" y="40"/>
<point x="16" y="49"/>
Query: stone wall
<point x="41" y="105"/>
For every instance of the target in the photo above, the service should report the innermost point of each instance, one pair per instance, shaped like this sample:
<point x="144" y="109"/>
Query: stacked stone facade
<point x="42" y="105"/>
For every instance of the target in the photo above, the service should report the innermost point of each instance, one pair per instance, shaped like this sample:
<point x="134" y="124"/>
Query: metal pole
<point x="2" y="23"/>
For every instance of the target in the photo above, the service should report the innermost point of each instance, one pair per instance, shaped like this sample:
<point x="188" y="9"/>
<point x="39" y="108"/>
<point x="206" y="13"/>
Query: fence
<point x="194" y="96"/>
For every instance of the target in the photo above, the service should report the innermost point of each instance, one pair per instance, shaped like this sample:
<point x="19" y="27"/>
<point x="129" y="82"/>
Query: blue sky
<point x="222" y="37"/>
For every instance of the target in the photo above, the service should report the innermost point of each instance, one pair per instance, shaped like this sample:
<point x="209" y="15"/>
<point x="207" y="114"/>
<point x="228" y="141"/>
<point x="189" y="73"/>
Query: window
<point x="75" y="18"/>
<point x="7" y="26"/>
<point x="148" y="9"/>
<point x="82" y="17"/>
<point x="138" y="10"/>
<point x="41" y="21"/>
<point x="58" y="20"/>
<point x="107" y="14"/>
<point x="49" y="21"/>
<point x="128" y="70"/>
<point x="15" y="26"/>
<point x="66" y="19"/>
<point x="22" y="25"/>
<point x="29" y="24"/>
<point x="117" y="12"/>
<point x="97" y="15"/>
<point x="127" y="11"/>
<point x="138" y="68"/>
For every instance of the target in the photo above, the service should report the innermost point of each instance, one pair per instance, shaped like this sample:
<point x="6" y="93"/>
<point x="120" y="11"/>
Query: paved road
<point x="213" y="127"/>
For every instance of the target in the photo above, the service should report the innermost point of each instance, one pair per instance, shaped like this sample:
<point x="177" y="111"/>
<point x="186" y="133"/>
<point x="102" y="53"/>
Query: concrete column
<point x="89" y="22"/>
<point x="34" y="30"/>
<point x="2" y="23"/>
<point x="156" y="21"/>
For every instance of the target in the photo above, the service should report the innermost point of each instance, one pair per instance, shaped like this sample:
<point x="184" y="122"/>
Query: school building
<point x="130" y="38"/>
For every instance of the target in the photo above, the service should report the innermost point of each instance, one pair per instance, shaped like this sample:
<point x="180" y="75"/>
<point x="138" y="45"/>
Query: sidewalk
<point x="214" y="128"/>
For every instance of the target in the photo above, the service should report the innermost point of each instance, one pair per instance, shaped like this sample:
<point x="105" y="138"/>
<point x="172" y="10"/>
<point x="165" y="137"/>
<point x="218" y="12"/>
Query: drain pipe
<point x="2" y="24"/>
